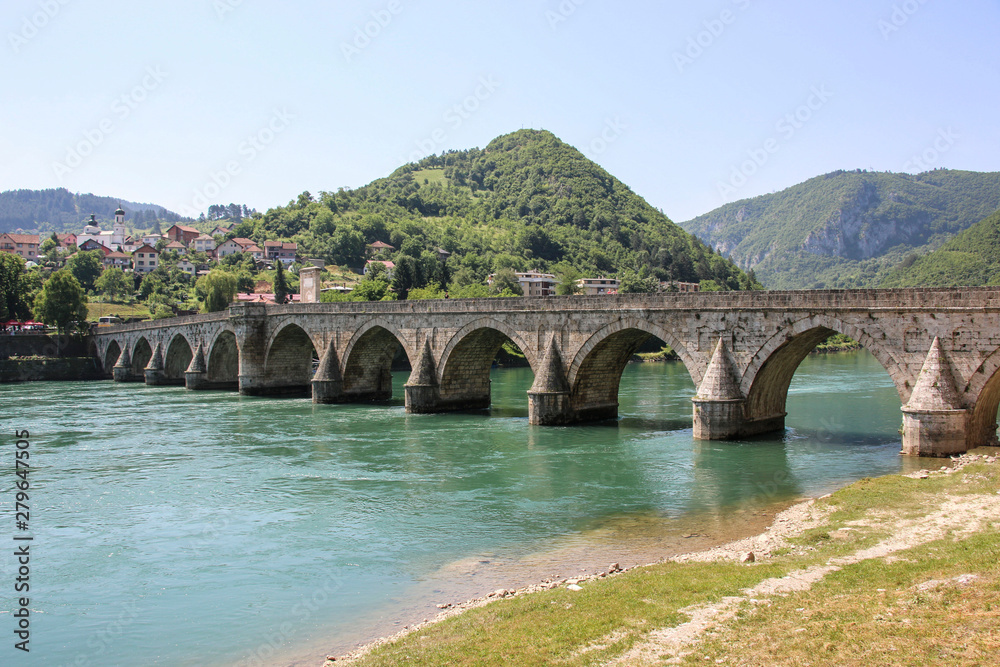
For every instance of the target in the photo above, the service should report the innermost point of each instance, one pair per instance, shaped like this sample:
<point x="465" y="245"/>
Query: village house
<point x="679" y="287"/>
<point x="373" y="249"/>
<point x="151" y="239"/>
<point x="115" y="259"/>
<point x="233" y="246"/>
<point x="187" y="267"/>
<point x="177" y="247"/>
<point x="145" y="259"/>
<point x="203" y="243"/>
<point x="283" y="250"/>
<point x="183" y="234"/>
<point x="23" y="245"/>
<point x="533" y="283"/>
<point x="593" y="286"/>
<point x="67" y="240"/>
<point x="390" y="267"/>
<point x="94" y="244"/>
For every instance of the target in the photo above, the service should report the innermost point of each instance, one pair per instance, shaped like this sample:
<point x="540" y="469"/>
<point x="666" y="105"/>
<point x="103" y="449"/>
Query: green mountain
<point x="59" y="210"/>
<point x="971" y="258"/>
<point x="847" y="228"/>
<point x="527" y="201"/>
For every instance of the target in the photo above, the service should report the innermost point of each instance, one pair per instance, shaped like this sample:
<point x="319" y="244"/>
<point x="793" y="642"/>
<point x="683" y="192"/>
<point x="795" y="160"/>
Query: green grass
<point x="432" y="176"/>
<point x="97" y="310"/>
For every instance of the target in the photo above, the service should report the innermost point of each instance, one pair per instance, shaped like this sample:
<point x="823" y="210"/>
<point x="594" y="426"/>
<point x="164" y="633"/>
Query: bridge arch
<point x="111" y="355"/>
<point x="984" y="386"/>
<point x="142" y="352"/>
<point x="368" y="360"/>
<point x="464" y="368"/>
<point x="177" y="359"/>
<point x="288" y="366"/>
<point x="595" y="375"/>
<point x="769" y="374"/>
<point x="223" y="359"/>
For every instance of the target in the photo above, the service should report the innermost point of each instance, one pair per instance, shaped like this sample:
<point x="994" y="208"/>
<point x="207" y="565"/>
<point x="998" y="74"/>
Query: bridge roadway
<point x="941" y="347"/>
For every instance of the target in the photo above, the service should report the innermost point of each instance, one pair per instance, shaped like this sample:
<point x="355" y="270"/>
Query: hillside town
<point x="165" y="266"/>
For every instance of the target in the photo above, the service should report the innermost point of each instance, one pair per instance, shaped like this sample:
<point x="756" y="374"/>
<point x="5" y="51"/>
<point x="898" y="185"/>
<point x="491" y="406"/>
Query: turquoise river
<point x="179" y="528"/>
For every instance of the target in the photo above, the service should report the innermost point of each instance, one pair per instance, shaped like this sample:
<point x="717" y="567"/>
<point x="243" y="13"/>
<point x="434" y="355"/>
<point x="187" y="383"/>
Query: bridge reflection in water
<point x="941" y="347"/>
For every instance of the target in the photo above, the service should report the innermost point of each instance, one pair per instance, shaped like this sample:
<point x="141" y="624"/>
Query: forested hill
<point x="971" y="258"/>
<point x="847" y="228"/>
<point x="526" y="201"/>
<point x="59" y="210"/>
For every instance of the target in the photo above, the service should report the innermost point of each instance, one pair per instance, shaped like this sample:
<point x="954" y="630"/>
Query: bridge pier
<point x="122" y="371"/>
<point x="154" y="373"/>
<point x="328" y="383"/>
<point x="549" y="400"/>
<point x="934" y="422"/>
<point x="719" y="405"/>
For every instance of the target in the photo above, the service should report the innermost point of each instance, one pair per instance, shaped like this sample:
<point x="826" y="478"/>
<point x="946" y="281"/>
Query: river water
<point x="181" y="528"/>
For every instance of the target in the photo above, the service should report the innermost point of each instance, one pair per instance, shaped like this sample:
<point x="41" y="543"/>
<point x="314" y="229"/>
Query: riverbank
<point x="46" y="369"/>
<point x="896" y="570"/>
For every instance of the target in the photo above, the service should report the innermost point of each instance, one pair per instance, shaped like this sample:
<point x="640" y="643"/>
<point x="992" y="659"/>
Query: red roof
<point x="381" y="246"/>
<point x="147" y="249"/>
<point x="24" y="238"/>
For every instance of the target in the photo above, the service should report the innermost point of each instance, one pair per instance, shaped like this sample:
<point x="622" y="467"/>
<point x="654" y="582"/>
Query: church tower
<point x="118" y="235"/>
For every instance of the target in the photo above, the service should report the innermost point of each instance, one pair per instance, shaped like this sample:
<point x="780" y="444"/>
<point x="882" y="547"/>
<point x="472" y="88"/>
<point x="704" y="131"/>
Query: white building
<point x="111" y="240"/>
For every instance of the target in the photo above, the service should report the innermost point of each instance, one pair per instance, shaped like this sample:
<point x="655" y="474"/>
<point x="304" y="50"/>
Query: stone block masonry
<point x="740" y="348"/>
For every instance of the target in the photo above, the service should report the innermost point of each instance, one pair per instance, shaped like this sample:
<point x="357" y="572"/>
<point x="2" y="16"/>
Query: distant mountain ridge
<point x="59" y="210"/>
<point x="970" y="259"/>
<point x="847" y="228"/>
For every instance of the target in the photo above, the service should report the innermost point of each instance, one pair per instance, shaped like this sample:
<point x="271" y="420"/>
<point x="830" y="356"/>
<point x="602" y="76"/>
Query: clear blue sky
<point x="690" y="104"/>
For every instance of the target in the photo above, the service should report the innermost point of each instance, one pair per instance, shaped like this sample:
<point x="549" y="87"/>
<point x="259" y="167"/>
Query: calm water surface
<point x="182" y="528"/>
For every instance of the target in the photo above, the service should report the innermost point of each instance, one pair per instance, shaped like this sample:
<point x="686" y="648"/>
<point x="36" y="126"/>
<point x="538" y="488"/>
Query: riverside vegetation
<point x="899" y="570"/>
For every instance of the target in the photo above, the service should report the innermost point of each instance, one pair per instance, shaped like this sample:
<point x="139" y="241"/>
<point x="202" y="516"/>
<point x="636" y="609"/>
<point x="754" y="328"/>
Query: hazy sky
<point x="193" y="102"/>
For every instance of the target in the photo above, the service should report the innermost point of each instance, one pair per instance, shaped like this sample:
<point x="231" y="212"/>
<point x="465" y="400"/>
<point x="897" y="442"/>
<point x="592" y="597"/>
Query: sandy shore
<point x="752" y="534"/>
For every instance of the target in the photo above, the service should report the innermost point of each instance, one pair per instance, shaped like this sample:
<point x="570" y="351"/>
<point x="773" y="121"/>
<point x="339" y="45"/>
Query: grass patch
<point x="97" y="310"/>
<point x="553" y="626"/>
<point x="920" y="609"/>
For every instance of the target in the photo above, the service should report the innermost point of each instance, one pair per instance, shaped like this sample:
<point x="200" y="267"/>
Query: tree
<point x="637" y="282"/>
<point x="61" y="301"/>
<point x="568" y="284"/>
<point x="405" y="276"/>
<point x="86" y="267"/>
<point x="505" y="283"/>
<point x="14" y="288"/>
<point x="114" y="284"/>
<point x="245" y="282"/>
<point x="216" y="290"/>
<point x="49" y="244"/>
<point x="281" y="291"/>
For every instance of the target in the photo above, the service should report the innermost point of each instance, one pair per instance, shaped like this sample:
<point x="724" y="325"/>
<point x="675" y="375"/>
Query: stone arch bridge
<point x="941" y="347"/>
